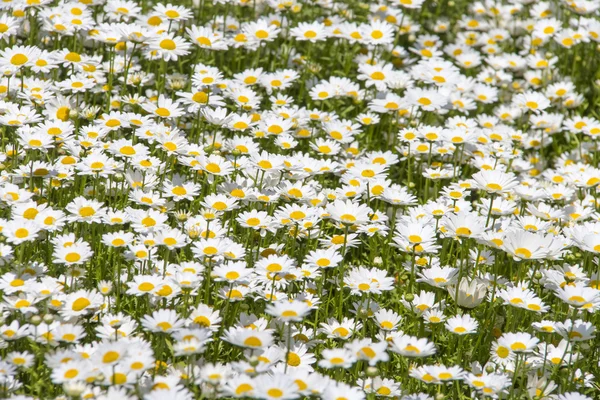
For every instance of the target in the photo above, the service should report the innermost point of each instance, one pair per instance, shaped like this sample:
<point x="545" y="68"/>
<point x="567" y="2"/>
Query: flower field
<point x="287" y="199"/>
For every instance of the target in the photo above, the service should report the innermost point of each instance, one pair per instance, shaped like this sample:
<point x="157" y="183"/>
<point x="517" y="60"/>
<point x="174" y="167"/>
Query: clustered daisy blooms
<point x="283" y="199"/>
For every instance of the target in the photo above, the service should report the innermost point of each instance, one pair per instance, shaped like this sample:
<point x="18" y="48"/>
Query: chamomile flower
<point x="462" y="325"/>
<point x="169" y="47"/>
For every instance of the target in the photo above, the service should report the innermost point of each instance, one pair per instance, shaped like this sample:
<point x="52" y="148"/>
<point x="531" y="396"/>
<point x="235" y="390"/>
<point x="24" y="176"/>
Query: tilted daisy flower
<point x="81" y="302"/>
<point x="349" y="213"/>
<point x="494" y="181"/>
<point x="367" y="350"/>
<point x="462" y="325"/>
<point x="84" y="210"/>
<point x="248" y="338"/>
<point x="163" y="321"/>
<point x="410" y="346"/>
<point x="368" y="281"/>
<point x="288" y="311"/>
<point x="337" y="358"/>
<point x="163" y="108"/>
<point x="518" y="342"/>
<point x="169" y="47"/>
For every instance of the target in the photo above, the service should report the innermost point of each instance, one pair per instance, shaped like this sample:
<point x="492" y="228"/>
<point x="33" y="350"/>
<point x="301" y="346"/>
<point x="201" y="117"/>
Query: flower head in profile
<point x="468" y="293"/>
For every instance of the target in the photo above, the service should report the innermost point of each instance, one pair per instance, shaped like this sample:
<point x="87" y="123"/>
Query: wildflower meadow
<point x="294" y="199"/>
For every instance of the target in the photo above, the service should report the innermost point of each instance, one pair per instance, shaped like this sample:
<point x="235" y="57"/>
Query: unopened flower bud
<point x="254" y="361"/>
<point x="362" y="313"/>
<point x="118" y="177"/>
<point x="182" y="216"/>
<point x="469" y="293"/>
<point x="74" y="389"/>
<point x="193" y="232"/>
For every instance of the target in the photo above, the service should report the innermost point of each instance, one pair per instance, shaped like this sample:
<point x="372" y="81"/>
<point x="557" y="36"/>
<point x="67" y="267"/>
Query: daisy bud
<point x="193" y="233"/>
<point x="177" y="84"/>
<point x="73" y="389"/>
<point x="314" y="67"/>
<point x="372" y="372"/>
<point x="48" y="319"/>
<point x="409" y="297"/>
<point x="469" y="294"/>
<point x="182" y="216"/>
<point x="490" y="368"/>
<point x="244" y="307"/>
<point x="362" y="313"/>
<point x="538" y="275"/>
<point x="584" y="347"/>
<point x="440" y="396"/>
<point x="377" y="261"/>
<point x="236" y="153"/>
<point x="36" y="320"/>
<point x="89" y="114"/>
<point x="254" y="361"/>
<point x="118" y="177"/>
<point x="135" y="79"/>
<point x="450" y="4"/>
<point x="73" y="114"/>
